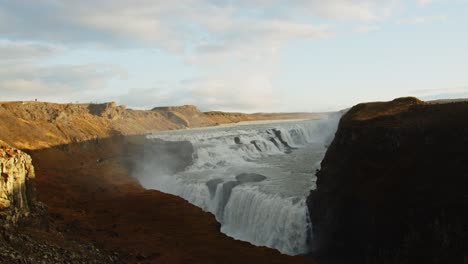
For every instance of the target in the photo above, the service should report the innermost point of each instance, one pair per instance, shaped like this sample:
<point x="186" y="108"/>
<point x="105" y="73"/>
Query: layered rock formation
<point x="392" y="187"/>
<point x="17" y="193"/>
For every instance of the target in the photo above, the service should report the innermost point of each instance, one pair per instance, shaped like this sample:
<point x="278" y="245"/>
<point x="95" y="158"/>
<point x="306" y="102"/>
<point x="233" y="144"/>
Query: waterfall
<point x="249" y="176"/>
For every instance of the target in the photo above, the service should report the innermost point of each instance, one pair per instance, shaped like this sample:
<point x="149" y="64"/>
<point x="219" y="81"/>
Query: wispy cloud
<point x="418" y="20"/>
<point x="10" y="50"/>
<point x="366" y="28"/>
<point x="175" y="25"/>
<point x="235" y="45"/>
<point x="424" y="2"/>
<point x="204" y="33"/>
<point x="227" y="93"/>
<point x="23" y="81"/>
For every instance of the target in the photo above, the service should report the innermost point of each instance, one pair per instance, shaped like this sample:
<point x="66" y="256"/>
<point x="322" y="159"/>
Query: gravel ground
<point x="19" y="247"/>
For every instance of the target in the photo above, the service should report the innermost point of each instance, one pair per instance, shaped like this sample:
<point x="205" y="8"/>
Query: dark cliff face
<point x="393" y="184"/>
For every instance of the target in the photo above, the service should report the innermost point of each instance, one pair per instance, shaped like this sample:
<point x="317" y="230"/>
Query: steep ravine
<point x="83" y="157"/>
<point x="392" y="186"/>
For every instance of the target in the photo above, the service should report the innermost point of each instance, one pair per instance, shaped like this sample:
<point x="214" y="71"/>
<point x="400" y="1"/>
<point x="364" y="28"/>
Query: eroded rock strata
<point x="392" y="187"/>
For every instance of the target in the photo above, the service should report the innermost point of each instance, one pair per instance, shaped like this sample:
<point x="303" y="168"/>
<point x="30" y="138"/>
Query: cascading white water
<point x="253" y="177"/>
<point x="268" y="220"/>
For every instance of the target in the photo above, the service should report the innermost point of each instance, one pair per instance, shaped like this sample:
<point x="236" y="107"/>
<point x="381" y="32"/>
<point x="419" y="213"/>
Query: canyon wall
<point x="392" y="186"/>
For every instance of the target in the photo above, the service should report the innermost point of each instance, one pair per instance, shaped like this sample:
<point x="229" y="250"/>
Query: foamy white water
<point x="253" y="177"/>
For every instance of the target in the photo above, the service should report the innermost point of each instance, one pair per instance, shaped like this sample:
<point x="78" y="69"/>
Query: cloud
<point x="23" y="73"/>
<point x="174" y="25"/>
<point x="75" y="82"/>
<point x="10" y="50"/>
<point x="366" y="28"/>
<point x="227" y="93"/>
<point x="111" y="23"/>
<point x="341" y="10"/>
<point x="202" y="32"/>
<point x="230" y="93"/>
<point x="358" y="10"/>
<point x="418" y="20"/>
<point x="424" y="2"/>
<point x="235" y="46"/>
<point x="230" y="39"/>
<point x="190" y="28"/>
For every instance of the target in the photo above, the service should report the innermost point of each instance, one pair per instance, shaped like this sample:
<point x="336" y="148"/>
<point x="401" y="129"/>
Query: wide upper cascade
<point x="254" y="177"/>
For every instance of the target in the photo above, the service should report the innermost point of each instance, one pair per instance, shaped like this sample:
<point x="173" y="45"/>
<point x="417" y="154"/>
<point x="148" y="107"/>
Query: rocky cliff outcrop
<point x="392" y="186"/>
<point x="16" y="185"/>
<point x="108" y="110"/>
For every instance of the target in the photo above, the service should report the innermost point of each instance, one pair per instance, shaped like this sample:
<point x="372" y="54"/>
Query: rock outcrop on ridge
<point x="17" y="190"/>
<point x="392" y="185"/>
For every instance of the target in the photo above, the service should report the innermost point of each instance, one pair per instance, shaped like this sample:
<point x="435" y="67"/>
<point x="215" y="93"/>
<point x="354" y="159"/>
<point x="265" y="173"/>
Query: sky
<point x="233" y="55"/>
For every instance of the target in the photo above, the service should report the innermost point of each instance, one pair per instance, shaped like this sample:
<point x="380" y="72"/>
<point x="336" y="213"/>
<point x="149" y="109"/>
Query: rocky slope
<point x="392" y="187"/>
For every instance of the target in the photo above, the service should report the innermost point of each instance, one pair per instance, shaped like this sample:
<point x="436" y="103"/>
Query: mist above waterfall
<point x="254" y="177"/>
